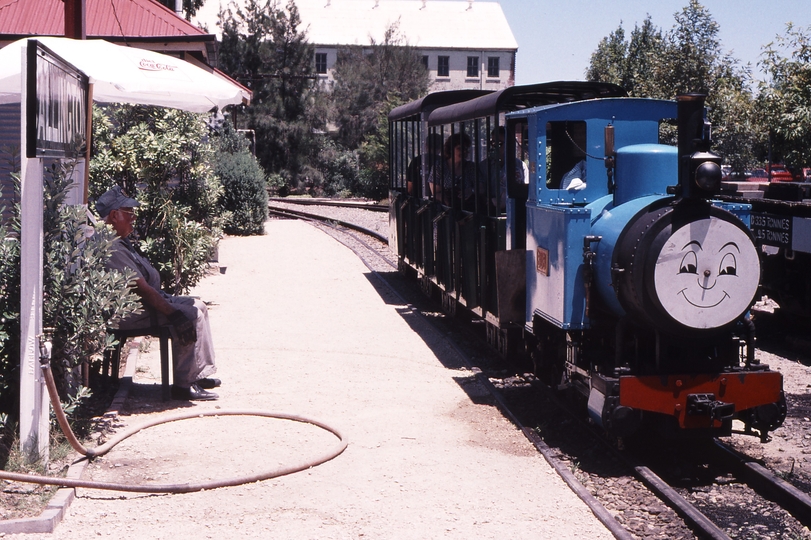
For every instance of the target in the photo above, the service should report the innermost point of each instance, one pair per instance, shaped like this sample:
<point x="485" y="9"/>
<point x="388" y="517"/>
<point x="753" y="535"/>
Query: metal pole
<point x="33" y="395"/>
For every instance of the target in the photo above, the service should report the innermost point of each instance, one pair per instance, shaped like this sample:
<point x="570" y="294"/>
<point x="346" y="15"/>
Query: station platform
<point x="302" y="327"/>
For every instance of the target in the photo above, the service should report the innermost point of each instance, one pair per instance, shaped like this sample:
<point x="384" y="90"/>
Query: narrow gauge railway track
<point x="290" y="213"/>
<point x="370" y="246"/>
<point x="632" y="499"/>
<point x="373" y="207"/>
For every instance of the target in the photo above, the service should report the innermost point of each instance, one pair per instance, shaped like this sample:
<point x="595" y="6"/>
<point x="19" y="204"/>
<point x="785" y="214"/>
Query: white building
<point x="465" y="44"/>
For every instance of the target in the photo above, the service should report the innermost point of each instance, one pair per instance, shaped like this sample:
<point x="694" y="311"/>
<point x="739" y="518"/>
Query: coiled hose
<point x="91" y="453"/>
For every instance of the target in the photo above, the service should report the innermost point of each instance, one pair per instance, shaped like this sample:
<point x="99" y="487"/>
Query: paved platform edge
<point x="58" y="506"/>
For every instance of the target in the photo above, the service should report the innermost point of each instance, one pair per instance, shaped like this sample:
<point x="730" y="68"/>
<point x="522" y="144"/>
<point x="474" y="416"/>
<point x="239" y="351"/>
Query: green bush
<point x="81" y="297"/>
<point x="10" y="313"/>
<point x="244" y="200"/>
<point x="164" y="159"/>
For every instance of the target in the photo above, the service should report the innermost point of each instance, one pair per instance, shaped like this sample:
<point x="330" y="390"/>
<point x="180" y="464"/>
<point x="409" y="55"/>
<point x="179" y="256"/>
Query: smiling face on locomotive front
<point x="707" y="273"/>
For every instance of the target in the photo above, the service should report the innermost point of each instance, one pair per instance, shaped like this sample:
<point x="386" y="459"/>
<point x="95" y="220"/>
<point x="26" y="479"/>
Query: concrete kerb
<point x="58" y="506"/>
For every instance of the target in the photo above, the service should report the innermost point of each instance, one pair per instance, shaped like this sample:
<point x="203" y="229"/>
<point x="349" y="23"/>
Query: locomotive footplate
<point x="701" y="401"/>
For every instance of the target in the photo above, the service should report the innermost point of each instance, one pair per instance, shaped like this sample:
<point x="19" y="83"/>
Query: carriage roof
<point x="521" y="97"/>
<point x="432" y="101"/>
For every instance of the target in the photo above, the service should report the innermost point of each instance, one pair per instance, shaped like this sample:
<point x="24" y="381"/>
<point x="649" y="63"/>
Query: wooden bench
<point x="112" y="357"/>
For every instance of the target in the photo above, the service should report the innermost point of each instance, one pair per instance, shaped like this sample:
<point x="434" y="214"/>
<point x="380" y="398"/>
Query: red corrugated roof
<point x="104" y="18"/>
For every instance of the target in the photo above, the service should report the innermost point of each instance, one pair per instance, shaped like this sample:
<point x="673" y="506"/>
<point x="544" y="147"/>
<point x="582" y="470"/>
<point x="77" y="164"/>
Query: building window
<point x="472" y="66"/>
<point x="425" y="62"/>
<point x="492" y="66"/>
<point x="443" y="66"/>
<point x="321" y="63"/>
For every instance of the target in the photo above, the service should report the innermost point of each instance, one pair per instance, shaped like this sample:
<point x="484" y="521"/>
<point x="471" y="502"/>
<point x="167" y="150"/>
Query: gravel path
<point x="427" y="458"/>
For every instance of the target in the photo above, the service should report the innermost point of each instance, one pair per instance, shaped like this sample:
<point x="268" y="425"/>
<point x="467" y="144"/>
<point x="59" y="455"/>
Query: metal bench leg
<point x="164" y="346"/>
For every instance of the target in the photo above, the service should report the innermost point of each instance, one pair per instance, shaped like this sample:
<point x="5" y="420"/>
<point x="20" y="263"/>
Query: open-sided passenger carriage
<point x="461" y="240"/>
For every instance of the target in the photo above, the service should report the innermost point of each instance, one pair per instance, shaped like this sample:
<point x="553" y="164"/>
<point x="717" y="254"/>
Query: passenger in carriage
<point x="493" y="171"/>
<point x="454" y="174"/>
<point x="432" y="158"/>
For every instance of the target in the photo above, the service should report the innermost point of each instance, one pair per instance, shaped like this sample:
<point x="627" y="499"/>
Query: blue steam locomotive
<point x="558" y="214"/>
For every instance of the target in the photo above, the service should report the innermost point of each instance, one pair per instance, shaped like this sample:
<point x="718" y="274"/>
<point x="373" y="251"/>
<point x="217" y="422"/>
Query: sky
<point x="556" y="38"/>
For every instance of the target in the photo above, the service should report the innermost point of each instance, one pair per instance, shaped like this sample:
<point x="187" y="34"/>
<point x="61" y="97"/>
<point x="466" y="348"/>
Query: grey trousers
<point x="193" y="361"/>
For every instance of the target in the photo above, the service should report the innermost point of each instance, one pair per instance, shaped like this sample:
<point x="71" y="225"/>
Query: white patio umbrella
<point x="128" y="75"/>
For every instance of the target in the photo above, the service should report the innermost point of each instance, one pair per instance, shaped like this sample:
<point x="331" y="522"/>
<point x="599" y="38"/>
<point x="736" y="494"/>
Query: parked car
<point x="805" y="175"/>
<point x="757" y="175"/>
<point x="780" y="173"/>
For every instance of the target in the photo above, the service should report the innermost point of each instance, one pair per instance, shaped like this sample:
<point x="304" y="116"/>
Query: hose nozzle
<point x="45" y="345"/>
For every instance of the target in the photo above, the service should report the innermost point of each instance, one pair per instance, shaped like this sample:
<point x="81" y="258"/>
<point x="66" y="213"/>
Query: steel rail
<point x="286" y="212"/>
<point x="375" y="207"/>
<point x="797" y="502"/>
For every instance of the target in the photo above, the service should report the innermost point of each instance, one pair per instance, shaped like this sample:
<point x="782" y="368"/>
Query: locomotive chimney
<point x="699" y="169"/>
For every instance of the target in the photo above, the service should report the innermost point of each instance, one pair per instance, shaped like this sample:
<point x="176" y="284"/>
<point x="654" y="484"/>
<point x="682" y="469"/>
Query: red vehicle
<point x="780" y="173"/>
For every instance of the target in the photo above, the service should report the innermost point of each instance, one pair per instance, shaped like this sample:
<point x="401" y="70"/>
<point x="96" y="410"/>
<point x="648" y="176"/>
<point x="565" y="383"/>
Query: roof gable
<point x="429" y="24"/>
<point x="104" y="18"/>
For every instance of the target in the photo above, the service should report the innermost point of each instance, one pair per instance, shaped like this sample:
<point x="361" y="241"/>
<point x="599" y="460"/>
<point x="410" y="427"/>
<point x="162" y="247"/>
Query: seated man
<point x="192" y="347"/>
<point x="575" y="179"/>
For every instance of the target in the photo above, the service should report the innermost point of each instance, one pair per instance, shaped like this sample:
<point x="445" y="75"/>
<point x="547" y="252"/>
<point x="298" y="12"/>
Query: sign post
<point x="54" y="121"/>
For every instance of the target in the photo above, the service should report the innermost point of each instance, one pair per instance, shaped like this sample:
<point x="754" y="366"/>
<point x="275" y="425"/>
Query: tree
<point x="190" y="7"/>
<point x="263" y="48"/>
<point x="686" y="59"/>
<point x="367" y="78"/>
<point x="786" y="103"/>
<point x="609" y="62"/>
<point x="644" y="61"/>
<point x="693" y="51"/>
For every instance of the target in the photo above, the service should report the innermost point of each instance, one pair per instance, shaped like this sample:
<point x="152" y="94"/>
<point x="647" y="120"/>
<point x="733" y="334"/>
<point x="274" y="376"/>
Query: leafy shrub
<point x="10" y="313"/>
<point x="245" y="199"/>
<point x="81" y="297"/>
<point x="163" y="158"/>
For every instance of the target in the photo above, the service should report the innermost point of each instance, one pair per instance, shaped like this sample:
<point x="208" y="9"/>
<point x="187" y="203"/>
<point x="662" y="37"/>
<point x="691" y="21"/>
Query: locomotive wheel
<point x="547" y="356"/>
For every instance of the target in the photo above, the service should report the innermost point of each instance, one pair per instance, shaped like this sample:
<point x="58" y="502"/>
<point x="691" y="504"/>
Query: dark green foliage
<point x="81" y="297"/>
<point x="786" y="103"/>
<point x="264" y="48"/>
<point x="245" y="199"/>
<point x="686" y="59"/>
<point x="369" y="82"/>
<point x="374" y="153"/>
<point x="367" y="78"/>
<point x="164" y="158"/>
<point x="10" y="312"/>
